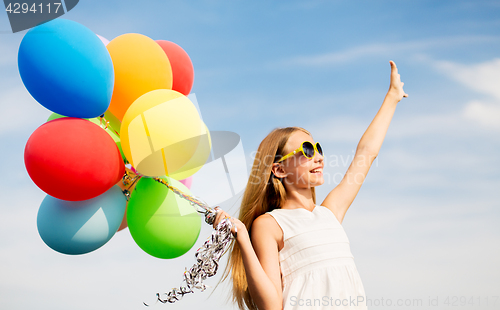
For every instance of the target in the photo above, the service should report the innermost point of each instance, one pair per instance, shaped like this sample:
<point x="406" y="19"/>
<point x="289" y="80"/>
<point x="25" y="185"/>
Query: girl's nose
<point x="318" y="157"/>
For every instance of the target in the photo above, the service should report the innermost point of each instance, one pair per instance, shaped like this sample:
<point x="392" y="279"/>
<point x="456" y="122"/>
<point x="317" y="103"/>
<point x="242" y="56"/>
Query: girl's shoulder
<point x="266" y="225"/>
<point x="267" y="222"/>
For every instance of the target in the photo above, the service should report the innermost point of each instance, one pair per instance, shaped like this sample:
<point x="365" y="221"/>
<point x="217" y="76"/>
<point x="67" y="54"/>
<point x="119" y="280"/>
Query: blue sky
<point x="425" y="223"/>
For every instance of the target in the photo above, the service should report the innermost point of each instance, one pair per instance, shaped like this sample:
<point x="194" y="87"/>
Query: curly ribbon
<point x="129" y="181"/>
<point x="207" y="256"/>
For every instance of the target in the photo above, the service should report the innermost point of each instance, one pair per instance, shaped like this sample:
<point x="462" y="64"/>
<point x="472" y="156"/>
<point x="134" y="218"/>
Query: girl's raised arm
<point x="342" y="196"/>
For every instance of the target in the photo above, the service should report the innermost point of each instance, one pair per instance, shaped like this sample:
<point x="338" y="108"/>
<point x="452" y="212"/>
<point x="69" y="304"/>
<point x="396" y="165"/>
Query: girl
<point x="290" y="252"/>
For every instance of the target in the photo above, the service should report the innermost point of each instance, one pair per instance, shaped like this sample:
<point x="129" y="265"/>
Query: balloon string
<point x="106" y="125"/>
<point x="207" y="256"/>
<point x="129" y="182"/>
<point x="207" y="211"/>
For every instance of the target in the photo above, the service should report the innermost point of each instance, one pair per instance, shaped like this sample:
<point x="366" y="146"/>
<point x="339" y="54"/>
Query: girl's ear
<point x="278" y="170"/>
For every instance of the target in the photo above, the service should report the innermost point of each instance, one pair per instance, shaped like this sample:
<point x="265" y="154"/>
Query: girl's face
<point x="299" y="171"/>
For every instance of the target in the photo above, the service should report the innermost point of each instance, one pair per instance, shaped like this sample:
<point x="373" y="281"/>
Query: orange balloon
<point x="140" y="66"/>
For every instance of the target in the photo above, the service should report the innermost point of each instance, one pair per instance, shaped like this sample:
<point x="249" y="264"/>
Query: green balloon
<point x="162" y="223"/>
<point x="96" y="120"/>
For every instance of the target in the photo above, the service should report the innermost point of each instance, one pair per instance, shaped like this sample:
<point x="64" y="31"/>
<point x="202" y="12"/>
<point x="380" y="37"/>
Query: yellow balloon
<point x="199" y="157"/>
<point x="162" y="134"/>
<point x="140" y="66"/>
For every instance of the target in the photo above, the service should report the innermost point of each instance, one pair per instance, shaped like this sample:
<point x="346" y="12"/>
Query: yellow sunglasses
<point x="308" y="150"/>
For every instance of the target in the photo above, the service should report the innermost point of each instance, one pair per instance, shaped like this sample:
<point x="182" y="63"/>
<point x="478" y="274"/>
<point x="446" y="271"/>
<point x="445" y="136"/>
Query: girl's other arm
<point x="341" y="197"/>
<point x="262" y="264"/>
<point x="260" y="260"/>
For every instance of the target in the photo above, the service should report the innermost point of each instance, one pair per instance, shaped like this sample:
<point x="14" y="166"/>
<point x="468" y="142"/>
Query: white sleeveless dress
<point x="317" y="266"/>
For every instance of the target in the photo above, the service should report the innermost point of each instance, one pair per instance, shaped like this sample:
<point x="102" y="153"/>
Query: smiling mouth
<point x="316" y="171"/>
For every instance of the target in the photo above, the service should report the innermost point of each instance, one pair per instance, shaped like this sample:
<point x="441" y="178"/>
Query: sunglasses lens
<point x="318" y="147"/>
<point x="308" y="149"/>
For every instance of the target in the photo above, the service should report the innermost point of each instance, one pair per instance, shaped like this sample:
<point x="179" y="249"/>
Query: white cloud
<point x="457" y="123"/>
<point x="461" y="122"/>
<point x="9" y="48"/>
<point x="415" y="239"/>
<point x="350" y="129"/>
<point x="415" y="47"/>
<point x="485" y="114"/>
<point x="22" y="110"/>
<point x="483" y="77"/>
<point x="341" y="56"/>
<point x="339" y="129"/>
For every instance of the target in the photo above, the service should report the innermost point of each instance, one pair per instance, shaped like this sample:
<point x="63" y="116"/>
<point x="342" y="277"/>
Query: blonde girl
<point x="290" y="252"/>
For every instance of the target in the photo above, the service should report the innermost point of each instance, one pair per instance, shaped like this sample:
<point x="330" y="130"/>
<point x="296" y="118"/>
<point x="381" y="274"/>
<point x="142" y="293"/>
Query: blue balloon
<point x="79" y="227"/>
<point x="67" y="69"/>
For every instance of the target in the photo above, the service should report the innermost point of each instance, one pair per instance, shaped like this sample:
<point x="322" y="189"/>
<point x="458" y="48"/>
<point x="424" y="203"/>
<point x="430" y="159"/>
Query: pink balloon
<point x="187" y="182"/>
<point x="104" y="40"/>
<point x="135" y="171"/>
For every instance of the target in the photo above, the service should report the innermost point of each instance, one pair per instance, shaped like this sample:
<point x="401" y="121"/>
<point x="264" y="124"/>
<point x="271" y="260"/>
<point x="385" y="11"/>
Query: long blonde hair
<point x="264" y="192"/>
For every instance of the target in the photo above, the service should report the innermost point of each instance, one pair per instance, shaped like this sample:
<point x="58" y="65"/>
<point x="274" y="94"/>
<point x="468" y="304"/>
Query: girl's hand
<point x="238" y="228"/>
<point x="396" y="87"/>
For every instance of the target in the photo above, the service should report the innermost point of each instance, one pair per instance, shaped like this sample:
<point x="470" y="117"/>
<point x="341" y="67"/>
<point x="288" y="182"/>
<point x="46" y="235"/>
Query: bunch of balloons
<point x="121" y="120"/>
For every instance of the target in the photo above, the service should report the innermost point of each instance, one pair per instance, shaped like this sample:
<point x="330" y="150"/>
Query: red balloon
<point x="73" y="159"/>
<point x="182" y="67"/>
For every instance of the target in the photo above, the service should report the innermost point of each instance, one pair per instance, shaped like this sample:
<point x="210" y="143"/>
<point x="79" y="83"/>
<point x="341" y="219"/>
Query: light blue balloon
<point x="79" y="227"/>
<point x="67" y="69"/>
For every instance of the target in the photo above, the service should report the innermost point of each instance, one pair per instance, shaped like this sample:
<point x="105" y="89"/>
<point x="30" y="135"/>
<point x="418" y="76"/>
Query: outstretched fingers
<point x="394" y="68"/>
<point x="396" y="83"/>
